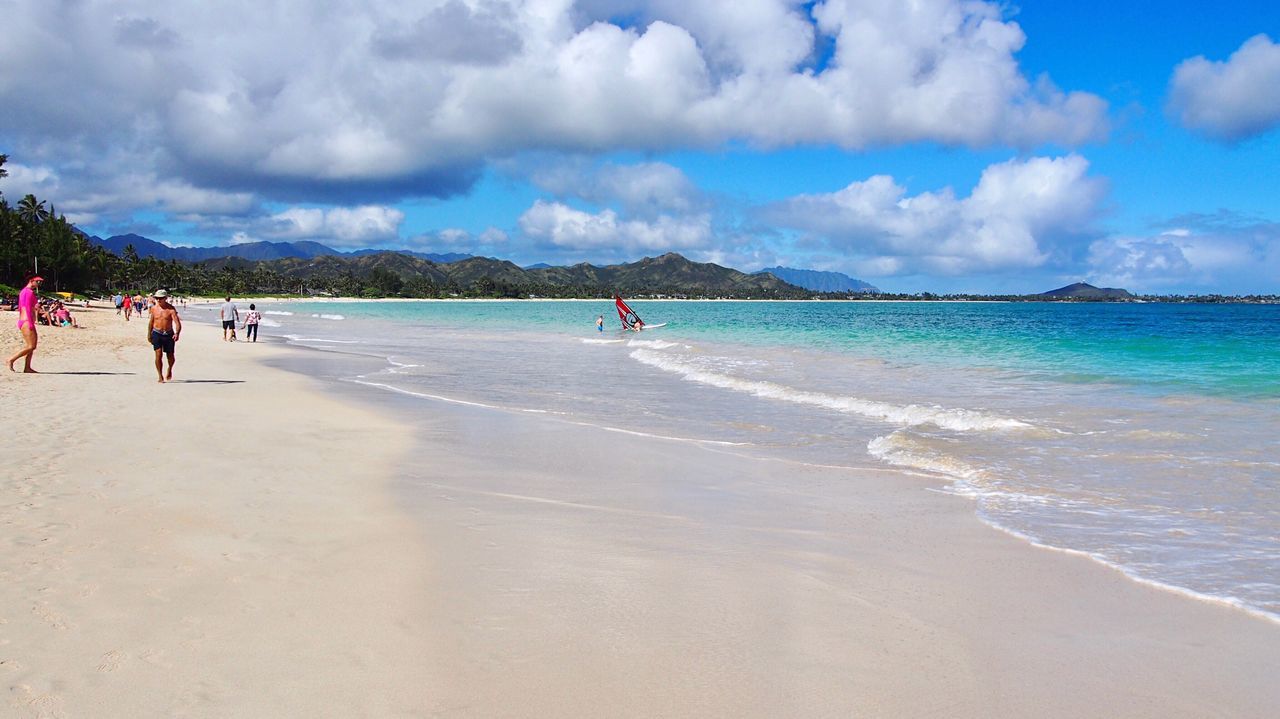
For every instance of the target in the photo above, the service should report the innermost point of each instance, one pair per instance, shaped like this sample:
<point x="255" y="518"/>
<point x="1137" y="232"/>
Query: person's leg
<point x="169" y="376"/>
<point x="159" y="368"/>
<point x="29" y="342"/>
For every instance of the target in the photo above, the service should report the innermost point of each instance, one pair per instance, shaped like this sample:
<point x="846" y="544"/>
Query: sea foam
<point x="961" y="420"/>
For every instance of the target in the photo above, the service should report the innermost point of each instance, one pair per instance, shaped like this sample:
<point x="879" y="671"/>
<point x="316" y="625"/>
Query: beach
<point x="259" y="539"/>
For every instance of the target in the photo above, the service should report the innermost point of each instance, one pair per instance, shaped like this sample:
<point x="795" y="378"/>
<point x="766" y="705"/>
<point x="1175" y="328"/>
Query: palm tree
<point x="32" y="210"/>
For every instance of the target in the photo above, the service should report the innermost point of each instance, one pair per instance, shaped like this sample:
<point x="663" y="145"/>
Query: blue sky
<point x="935" y="145"/>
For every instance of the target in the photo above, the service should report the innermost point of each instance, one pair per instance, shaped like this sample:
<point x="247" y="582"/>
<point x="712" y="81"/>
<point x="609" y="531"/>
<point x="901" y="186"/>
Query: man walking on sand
<point x="162" y="331"/>
<point x="27" y="324"/>
<point x="229" y="315"/>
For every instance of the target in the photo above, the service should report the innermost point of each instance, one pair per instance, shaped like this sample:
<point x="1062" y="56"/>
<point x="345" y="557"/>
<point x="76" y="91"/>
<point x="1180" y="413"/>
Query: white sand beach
<point x="245" y="542"/>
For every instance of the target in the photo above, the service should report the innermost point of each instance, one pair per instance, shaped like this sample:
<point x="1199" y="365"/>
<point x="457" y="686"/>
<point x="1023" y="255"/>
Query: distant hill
<point x="1082" y="290"/>
<point x="256" y="251"/>
<point x="669" y="274"/>
<point x="819" y="281"/>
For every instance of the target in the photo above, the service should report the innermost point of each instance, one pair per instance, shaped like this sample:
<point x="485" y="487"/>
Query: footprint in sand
<point x="155" y="657"/>
<point x="112" y="660"/>
<point x="47" y="614"/>
<point x="9" y="665"/>
<point x="45" y="705"/>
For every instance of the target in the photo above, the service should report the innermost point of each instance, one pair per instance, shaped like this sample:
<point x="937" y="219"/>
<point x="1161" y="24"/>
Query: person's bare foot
<point x="169" y="377"/>
<point x="160" y="380"/>
<point x="29" y="371"/>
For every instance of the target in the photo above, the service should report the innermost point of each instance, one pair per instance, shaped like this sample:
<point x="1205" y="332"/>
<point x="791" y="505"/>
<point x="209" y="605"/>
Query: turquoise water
<point x="1228" y="350"/>
<point x="1142" y="435"/>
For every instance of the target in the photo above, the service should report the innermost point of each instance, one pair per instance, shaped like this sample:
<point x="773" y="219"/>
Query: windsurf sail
<point x="630" y="320"/>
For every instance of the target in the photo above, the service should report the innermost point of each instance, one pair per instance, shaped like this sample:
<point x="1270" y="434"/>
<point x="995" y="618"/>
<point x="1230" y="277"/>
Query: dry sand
<point x="222" y="546"/>
<point x="241" y="544"/>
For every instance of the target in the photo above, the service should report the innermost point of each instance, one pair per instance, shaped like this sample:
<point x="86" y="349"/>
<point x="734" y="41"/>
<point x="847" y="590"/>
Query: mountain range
<point x="256" y="251"/>
<point x="819" y="281"/>
<point x="685" y="278"/>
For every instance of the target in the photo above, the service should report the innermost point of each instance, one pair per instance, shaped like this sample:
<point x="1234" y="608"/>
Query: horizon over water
<point x="1141" y="435"/>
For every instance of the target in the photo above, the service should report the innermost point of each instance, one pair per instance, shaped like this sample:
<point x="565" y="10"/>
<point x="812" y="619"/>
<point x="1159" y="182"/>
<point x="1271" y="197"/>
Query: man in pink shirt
<point x="27" y="323"/>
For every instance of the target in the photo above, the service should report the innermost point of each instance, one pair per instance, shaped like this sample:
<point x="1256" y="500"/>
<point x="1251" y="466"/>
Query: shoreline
<point x="382" y="560"/>
<point x="551" y="544"/>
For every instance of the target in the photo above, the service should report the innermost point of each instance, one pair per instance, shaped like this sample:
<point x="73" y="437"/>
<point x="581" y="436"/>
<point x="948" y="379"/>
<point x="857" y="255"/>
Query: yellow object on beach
<point x="63" y="295"/>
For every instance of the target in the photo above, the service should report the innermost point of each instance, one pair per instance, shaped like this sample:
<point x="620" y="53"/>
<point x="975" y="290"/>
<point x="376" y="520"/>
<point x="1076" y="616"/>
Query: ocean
<point x="1141" y="435"/>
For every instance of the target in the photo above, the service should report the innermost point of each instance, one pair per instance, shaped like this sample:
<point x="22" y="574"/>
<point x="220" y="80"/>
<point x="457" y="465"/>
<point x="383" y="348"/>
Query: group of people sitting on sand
<point x="49" y="312"/>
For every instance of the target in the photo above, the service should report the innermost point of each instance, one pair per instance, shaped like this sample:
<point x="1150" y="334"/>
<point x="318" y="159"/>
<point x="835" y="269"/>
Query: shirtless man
<point x="27" y="324"/>
<point x="163" y="329"/>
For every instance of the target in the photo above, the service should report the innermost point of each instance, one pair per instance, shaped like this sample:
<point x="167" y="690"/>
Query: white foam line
<point x="296" y="338"/>
<point x="669" y="438"/>
<point x="424" y="395"/>
<point x="1231" y="602"/>
<point x="468" y="403"/>
<point x="911" y="415"/>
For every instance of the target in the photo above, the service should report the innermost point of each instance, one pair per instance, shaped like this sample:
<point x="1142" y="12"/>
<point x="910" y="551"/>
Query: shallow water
<point x="1141" y="435"/>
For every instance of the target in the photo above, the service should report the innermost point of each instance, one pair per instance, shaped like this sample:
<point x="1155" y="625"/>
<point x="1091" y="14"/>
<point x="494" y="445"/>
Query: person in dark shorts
<point x="163" y="329"/>
<point x="229" y="314"/>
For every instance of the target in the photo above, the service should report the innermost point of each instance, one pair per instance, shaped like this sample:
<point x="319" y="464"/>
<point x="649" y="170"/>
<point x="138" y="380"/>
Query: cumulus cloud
<point x="1224" y="252"/>
<point x="339" y="226"/>
<point x="646" y="189"/>
<point x="559" y="227"/>
<point x="86" y="197"/>
<point x="1012" y="219"/>
<point x="1231" y="100"/>
<point x="376" y="99"/>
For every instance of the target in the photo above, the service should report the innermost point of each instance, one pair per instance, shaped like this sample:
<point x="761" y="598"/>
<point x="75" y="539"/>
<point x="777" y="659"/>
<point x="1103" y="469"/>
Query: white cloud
<point x="561" y="227"/>
<point x="380" y="98"/>
<point x="339" y="226"/>
<point x="85" y="197"/>
<point x="647" y="189"/>
<point x="1231" y="257"/>
<point x="1231" y="100"/>
<point x="1019" y="210"/>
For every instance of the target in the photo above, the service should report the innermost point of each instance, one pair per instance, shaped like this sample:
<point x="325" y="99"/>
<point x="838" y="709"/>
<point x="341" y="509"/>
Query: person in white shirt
<point x="251" y="320"/>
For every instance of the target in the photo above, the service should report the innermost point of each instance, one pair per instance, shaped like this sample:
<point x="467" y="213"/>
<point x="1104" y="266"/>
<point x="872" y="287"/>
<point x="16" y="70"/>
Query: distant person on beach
<point x="251" y="320"/>
<point x="118" y="300"/>
<point x="27" y="324"/>
<point x="229" y="315"/>
<point x="600" y="323"/>
<point x="127" y="303"/>
<point x="162" y="332"/>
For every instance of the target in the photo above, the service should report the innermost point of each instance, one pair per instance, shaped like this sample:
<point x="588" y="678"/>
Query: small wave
<point x="299" y="338"/>
<point x="277" y="312"/>
<point x="900" y="451"/>
<point x="1134" y="575"/>
<point x="330" y="317"/>
<point x="653" y="344"/>
<point x="911" y="415"/>
<point x="268" y="323"/>
<point x="595" y="341"/>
